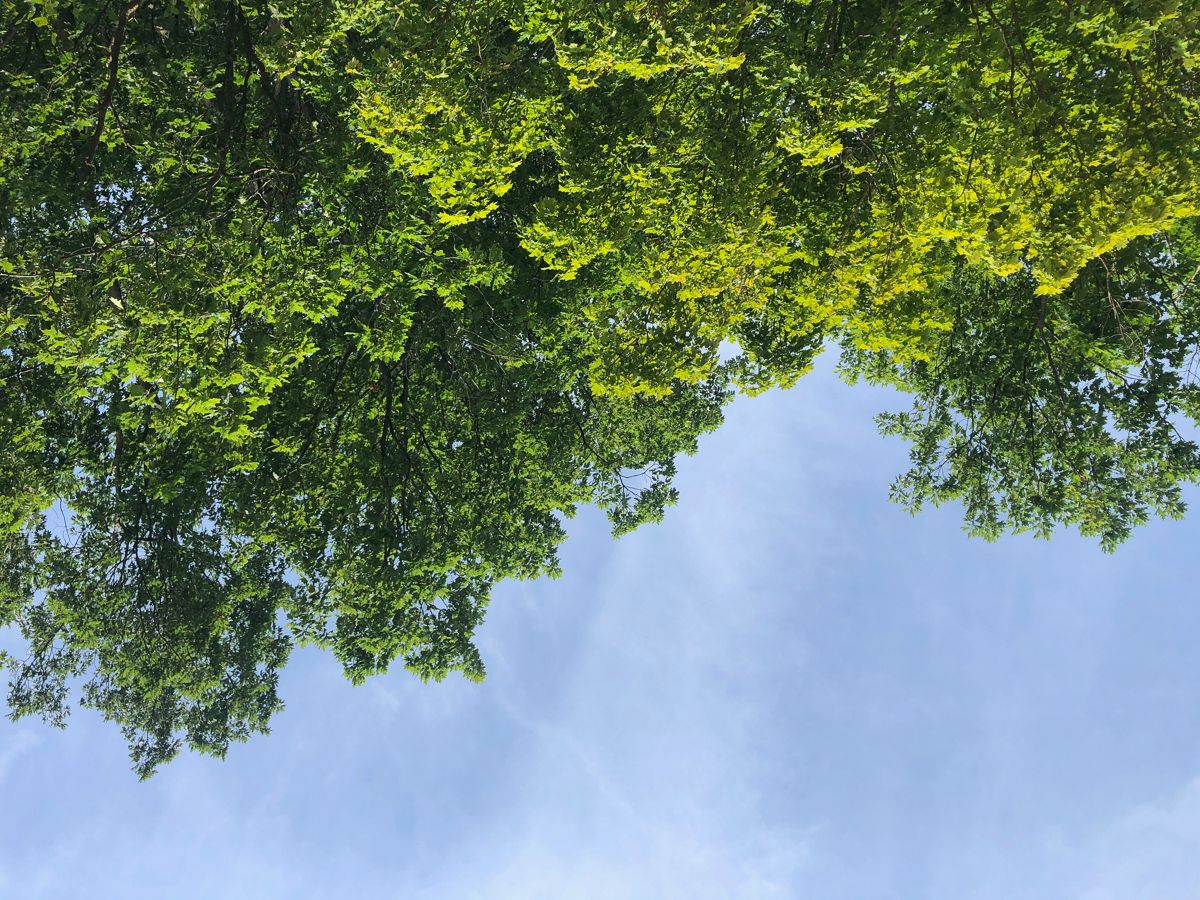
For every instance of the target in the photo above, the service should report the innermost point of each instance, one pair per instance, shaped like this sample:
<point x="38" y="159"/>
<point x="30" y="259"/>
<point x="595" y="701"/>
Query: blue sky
<point x="788" y="689"/>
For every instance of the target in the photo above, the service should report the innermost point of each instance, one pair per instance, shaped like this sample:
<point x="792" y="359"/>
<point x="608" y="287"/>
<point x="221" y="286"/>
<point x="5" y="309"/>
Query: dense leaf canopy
<point x="318" y="318"/>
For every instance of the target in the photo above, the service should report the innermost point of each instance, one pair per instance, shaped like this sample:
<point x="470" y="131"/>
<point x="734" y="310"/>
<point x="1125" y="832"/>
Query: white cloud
<point x="13" y="745"/>
<point x="1151" y="853"/>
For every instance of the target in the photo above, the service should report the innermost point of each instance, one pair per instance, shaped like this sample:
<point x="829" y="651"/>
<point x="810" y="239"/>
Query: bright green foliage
<point x="763" y="172"/>
<point x="317" y="319"/>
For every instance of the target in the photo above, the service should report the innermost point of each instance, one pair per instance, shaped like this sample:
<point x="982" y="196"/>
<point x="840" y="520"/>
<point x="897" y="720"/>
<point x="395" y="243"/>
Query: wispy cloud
<point x="15" y="743"/>
<point x="1151" y="852"/>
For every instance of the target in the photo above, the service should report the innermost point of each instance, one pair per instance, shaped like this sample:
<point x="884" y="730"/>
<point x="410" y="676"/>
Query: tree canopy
<point x="318" y="319"/>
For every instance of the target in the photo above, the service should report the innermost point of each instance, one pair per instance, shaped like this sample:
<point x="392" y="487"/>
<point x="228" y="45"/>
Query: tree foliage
<point x="1036" y="410"/>
<point x="318" y="319"/>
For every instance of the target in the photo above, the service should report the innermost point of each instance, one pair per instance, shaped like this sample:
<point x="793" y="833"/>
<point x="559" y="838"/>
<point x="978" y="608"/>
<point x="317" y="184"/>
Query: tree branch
<point x="127" y="12"/>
